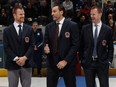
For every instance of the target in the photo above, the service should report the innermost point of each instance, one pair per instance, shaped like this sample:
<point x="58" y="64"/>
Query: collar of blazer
<point x="101" y="33"/>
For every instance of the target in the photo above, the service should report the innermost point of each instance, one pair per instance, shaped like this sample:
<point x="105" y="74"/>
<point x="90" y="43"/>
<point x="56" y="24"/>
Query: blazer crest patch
<point x="27" y="39"/>
<point x="104" y="42"/>
<point x="67" y="34"/>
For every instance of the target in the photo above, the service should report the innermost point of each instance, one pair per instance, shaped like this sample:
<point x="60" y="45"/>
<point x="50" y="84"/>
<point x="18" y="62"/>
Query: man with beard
<point x="96" y="52"/>
<point x="18" y="46"/>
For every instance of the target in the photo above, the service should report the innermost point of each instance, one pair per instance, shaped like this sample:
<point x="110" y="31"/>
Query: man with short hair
<point x="96" y="49"/>
<point x="18" y="46"/>
<point x="61" y="46"/>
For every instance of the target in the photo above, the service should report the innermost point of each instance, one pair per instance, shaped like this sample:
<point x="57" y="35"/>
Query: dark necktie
<point x="95" y="42"/>
<point x="20" y="32"/>
<point x="56" y="38"/>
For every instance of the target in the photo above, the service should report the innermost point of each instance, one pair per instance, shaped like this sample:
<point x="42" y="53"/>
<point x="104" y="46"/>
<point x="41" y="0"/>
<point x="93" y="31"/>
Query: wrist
<point x="25" y="57"/>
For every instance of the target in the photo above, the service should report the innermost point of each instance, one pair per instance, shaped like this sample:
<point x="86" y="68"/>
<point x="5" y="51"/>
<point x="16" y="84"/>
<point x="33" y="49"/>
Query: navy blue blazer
<point x="38" y="40"/>
<point x="104" y="45"/>
<point x="68" y="43"/>
<point x="13" y="46"/>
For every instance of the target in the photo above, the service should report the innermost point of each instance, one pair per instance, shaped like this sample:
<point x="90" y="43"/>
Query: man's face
<point x="56" y="13"/>
<point x="35" y="26"/>
<point x="19" y="15"/>
<point x="110" y="16"/>
<point x="95" y="15"/>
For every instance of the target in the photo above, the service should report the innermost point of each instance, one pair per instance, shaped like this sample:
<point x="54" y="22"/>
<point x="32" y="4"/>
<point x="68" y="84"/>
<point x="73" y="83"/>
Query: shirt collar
<point x="99" y="24"/>
<point x="61" y="21"/>
<point x="16" y="24"/>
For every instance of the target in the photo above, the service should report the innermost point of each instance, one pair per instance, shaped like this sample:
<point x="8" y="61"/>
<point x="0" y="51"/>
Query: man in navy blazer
<point x="96" y="53"/>
<point x="18" y="46"/>
<point x="61" y="61"/>
<point x="38" y="47"/>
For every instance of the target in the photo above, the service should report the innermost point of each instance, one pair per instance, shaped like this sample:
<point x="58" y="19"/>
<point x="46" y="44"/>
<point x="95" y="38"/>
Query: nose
<point x="52" y="13"/>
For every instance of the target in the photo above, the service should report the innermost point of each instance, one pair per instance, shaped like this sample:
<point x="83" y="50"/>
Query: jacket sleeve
<point x="74" y="42"/>
<point x="6" y="45"/>
<point x="30" y="48"/>
<point x="110" y="46"/>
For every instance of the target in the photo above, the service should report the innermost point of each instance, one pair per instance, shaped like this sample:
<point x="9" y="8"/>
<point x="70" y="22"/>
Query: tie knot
<point x="57" y="24"/>
<point x="19" y="25"/>
<point x="96" y="25"/>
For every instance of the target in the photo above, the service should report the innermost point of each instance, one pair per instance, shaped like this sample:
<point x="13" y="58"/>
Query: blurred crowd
<point x="40" y="10"/>
<point x="75" y="10"/>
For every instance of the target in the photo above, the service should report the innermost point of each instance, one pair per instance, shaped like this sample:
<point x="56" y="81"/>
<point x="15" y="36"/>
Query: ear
<point x="101" y="14"/>
<point x="61" y="12"/>
<point x="13" y="15"/>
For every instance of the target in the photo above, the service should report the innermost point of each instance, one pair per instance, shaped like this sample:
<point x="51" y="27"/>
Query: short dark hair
<point x="35" y="22"/>
<point x="99" y="9"/>
<point x="17" y="7"/>
<point x="60" y="7"/>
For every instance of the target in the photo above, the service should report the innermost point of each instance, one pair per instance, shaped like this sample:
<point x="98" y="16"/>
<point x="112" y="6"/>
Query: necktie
<point x="56" y="38"/>
<point x="95" y="42"/>
<point x="20" y="32"/>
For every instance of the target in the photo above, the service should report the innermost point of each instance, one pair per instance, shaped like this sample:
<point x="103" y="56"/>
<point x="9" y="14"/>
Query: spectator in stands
<point x="29" y="13"/>
<point x="68" y="5"/>
<point x="44" y="11"/>
<point x="108" y="8"/>
<point x="85" y="9"/>
<point x="18" y="40"/>
<point x="3" y="18"/>
<point x="76" y="17"/>
<point x="83" y="21"/>
<point x="112" y="24"/>
<point x="38" y="47"/>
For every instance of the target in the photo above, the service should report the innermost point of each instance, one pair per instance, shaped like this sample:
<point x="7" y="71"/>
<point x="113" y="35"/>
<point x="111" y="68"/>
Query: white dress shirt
<point x="16" y="27"/>
<point x="17" y="30"/>
<point x="60" y="25"/>
<point x="98" y="27"/>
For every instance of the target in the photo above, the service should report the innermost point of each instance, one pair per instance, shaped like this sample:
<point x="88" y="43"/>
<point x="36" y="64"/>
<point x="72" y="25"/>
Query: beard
<point x="21" y="19"/>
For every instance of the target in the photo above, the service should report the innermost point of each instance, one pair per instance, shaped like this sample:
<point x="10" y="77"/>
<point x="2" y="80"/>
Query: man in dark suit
<point x="38" y="47"/>
<point x="61" y="51"/>
<point x="18" y="46"/>
<point x="96" y="52"/>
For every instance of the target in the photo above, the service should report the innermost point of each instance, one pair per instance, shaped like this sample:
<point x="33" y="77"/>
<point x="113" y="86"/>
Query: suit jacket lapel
<point x="63" y="27"/>
<point x="14" y="32"/>
<point x="53" y="29"/>
<point x="91" y="33"/>
<point x="101" y="33"/>
<point x="24" y="30"/>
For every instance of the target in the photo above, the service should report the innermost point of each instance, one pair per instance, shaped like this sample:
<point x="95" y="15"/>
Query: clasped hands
<point x="21" y="60"/>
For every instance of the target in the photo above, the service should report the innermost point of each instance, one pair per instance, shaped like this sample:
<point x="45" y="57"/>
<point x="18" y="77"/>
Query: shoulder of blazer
<point x="8" y="28"/>
<point x="69" y="22"/>
<point x="87" y="26"/>
<point x="50" y="25"/>
<point x="106" y="27"/>
<point x="27" y="26"/>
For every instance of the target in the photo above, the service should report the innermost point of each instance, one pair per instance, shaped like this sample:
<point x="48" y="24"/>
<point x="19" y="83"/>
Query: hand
<point x="114" y="42"/>
<point x="35" y="47"/>
<point x="47" y="49"/>
<point x="21" y="60"/>
<point x="61" y="64"/>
